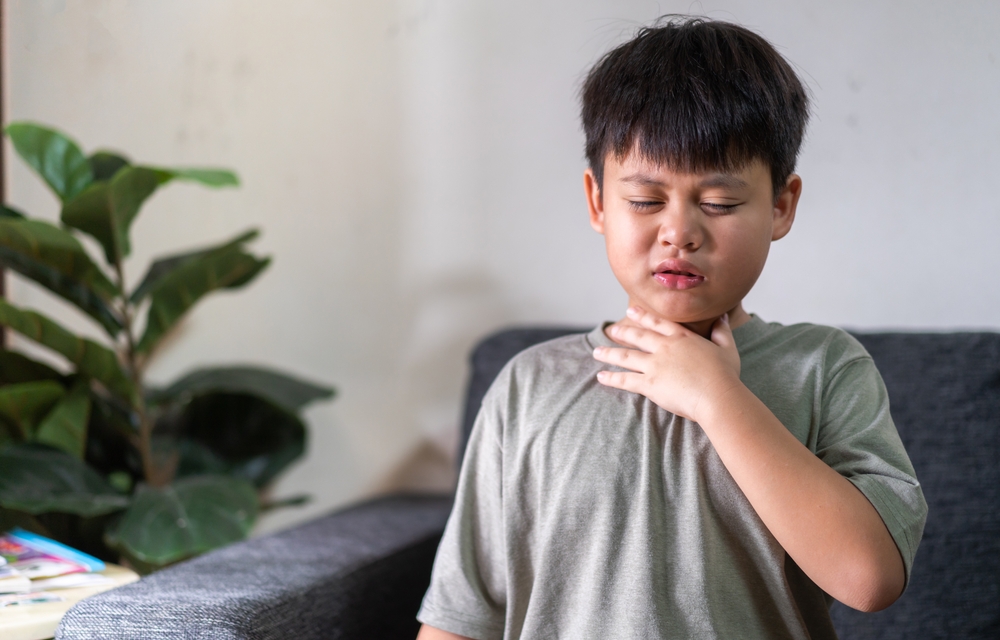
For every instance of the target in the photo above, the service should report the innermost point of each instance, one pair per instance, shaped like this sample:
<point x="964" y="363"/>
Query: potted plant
<point x="92" y="454"/>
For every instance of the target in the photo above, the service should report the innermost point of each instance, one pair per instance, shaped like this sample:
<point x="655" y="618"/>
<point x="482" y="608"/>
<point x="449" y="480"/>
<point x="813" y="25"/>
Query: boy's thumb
<point x="722" y="333"/>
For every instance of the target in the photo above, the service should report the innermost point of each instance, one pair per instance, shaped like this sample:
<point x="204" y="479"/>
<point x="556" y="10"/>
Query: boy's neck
<point x="737" y="317"/>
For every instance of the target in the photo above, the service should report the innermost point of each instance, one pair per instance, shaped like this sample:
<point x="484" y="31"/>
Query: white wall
<point x="416" y="168"/>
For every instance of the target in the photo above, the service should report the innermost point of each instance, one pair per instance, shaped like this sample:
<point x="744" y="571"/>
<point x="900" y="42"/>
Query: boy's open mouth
<point x="678" y="274"/>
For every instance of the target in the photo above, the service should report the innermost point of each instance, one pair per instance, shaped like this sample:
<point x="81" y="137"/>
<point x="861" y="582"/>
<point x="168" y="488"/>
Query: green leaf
<point x="192" y="516"/>
<point x="245" y="435"/>
<point x="90" y="212"/>
<point x="105" y="164"/>
<point x="11" y="212"/>
<point x="56" y="158"/>
<point x="55" y="259"/>
<point x="207" y="177"/>
<point x="120" y="480"/>
<point x="290" y="501"/>
<point x="16" y="367"/>
<point x="195" y="458"/>
<point x="117" y="415"/>
<point x="178" y="291"/>
<point x="9" y="435"/>
<point x="164" y="266"/>
<point x="65" y="427"/>
<point x="36" y="479"/>
<point x="83" y="297"/>
<point x="90" y="358"/>
<point x="284" y="390"/>
<point x="112" y="437"/>
<point x="127" y="191"/>
<point x="105" y="210"/>
<point x="24" y="405"/>
<point x="56" y="248"/>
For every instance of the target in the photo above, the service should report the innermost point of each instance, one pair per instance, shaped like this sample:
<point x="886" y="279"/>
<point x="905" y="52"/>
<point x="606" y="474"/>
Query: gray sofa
<point x="361" y="572"/>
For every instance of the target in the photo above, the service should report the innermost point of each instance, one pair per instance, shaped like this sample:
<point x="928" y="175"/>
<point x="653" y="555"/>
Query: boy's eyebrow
<point x="723" y="180"/>
<point x="643" y="180"/>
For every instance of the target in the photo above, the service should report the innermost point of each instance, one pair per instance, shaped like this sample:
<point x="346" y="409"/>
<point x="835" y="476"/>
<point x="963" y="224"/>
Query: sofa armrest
<point x="357" y="573"/>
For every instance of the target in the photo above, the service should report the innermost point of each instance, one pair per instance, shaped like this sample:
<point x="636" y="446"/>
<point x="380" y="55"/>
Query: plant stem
<point x="150" y="470"/>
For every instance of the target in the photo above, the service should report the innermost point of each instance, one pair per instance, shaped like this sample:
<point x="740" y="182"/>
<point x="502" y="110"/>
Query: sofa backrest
<point x="944" y="390"/>
<point x="944" y="394"/>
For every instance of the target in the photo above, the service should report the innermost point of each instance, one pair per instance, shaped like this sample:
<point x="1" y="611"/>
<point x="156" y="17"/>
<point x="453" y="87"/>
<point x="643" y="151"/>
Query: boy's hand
<point x="671" y="365"/>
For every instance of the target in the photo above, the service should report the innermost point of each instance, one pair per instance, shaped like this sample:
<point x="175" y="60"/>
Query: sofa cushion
<point x="357" y="573"/>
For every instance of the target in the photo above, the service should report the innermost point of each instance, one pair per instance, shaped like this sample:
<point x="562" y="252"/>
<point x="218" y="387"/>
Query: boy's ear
<point x="784" y="207"/>
<point x="595" y="203"/>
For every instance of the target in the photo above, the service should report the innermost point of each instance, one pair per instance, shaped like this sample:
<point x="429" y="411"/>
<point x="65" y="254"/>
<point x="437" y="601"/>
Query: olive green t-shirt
<point x="584" y="511"/>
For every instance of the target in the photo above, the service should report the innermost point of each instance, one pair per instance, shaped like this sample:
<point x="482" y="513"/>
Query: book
<point x="49" y="547"/>
<point x="21" y="599"/>
<point x="11" y="581"/>
<point x="32" y="563"/>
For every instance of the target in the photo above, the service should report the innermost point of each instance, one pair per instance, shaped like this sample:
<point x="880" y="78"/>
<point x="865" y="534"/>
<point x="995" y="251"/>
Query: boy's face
<point x="688" y="246"/>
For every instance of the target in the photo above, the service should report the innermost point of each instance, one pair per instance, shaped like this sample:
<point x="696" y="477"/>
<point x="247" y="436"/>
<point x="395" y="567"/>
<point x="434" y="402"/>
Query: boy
<point x="689" y="471"/>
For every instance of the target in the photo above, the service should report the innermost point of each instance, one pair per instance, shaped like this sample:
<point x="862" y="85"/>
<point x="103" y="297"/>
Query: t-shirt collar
<point x="744" y="335"/>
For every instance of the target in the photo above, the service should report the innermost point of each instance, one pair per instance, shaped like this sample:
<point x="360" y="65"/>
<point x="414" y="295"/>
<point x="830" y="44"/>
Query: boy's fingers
<point x="639" y="337"/>
<point x="651" y="321"/>
<point x="624" y="358"/>
<point x="623" y="380"/>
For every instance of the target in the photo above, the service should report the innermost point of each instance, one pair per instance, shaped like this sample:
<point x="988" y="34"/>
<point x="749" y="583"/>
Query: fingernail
<point x="601" y="375"/>
<point x="598" y="351"/>
<point x="632" y="312"/>
<point x="725" y="318"/>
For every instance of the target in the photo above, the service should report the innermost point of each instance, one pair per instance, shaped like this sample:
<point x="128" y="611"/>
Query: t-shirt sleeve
<point x="858" y="439"/>
<point x="467" y="594"/>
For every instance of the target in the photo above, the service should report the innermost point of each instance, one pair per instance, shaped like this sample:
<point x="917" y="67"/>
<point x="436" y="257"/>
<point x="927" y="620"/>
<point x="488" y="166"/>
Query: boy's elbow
<point x="876" y="586"/>
<point x="874" y="599"/>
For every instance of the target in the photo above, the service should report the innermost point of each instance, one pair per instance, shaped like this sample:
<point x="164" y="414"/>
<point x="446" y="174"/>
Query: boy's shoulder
<point x="570" y="345"/>
<point x="819" y="381"/>
<point x="565" y="353"/>
<point x="548" y="366"/>
<point x="831" y="347"/>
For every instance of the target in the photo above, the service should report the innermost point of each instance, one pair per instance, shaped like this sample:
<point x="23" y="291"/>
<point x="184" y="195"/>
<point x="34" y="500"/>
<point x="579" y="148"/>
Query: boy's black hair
<point x="696" y="95"/>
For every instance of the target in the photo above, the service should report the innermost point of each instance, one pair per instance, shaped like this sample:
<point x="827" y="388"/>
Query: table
<point x="39" y="621"/>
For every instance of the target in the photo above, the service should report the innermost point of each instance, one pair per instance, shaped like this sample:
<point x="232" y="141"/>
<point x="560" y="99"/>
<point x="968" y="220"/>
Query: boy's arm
<point x="827" y="526"/>
<point x="430" y="633"/>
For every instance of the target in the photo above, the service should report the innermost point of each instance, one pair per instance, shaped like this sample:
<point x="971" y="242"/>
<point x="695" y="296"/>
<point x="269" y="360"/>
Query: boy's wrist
<point x="728" y="397"/>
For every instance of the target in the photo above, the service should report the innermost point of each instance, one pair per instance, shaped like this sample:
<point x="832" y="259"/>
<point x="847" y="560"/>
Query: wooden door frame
<point x="3" y="152"/>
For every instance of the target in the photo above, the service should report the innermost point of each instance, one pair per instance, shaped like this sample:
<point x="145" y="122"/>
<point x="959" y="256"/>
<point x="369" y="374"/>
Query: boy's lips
<point x="678" y="274"/>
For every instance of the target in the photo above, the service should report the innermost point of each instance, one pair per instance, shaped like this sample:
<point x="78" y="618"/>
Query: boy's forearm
<point x="821" y="519"/>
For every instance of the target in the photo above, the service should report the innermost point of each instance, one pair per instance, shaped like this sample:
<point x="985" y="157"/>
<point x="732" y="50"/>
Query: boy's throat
<point x="702" y="328"/>
<point x="737" y="317"/>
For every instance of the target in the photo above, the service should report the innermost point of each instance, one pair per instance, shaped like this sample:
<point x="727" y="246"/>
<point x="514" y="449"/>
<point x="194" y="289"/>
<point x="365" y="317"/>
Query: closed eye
<point x="644" y="205"/>
<point x="715" y="207"/>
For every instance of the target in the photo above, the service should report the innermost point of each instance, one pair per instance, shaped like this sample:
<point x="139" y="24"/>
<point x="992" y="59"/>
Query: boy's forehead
<point x="639" y="169"/>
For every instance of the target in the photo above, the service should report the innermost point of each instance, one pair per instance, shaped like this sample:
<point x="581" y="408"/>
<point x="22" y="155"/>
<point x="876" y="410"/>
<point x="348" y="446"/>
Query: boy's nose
<point x="680" y="228"/>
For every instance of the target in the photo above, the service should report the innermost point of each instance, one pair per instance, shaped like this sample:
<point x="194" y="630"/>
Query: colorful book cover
<point x="35" y="557"/>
